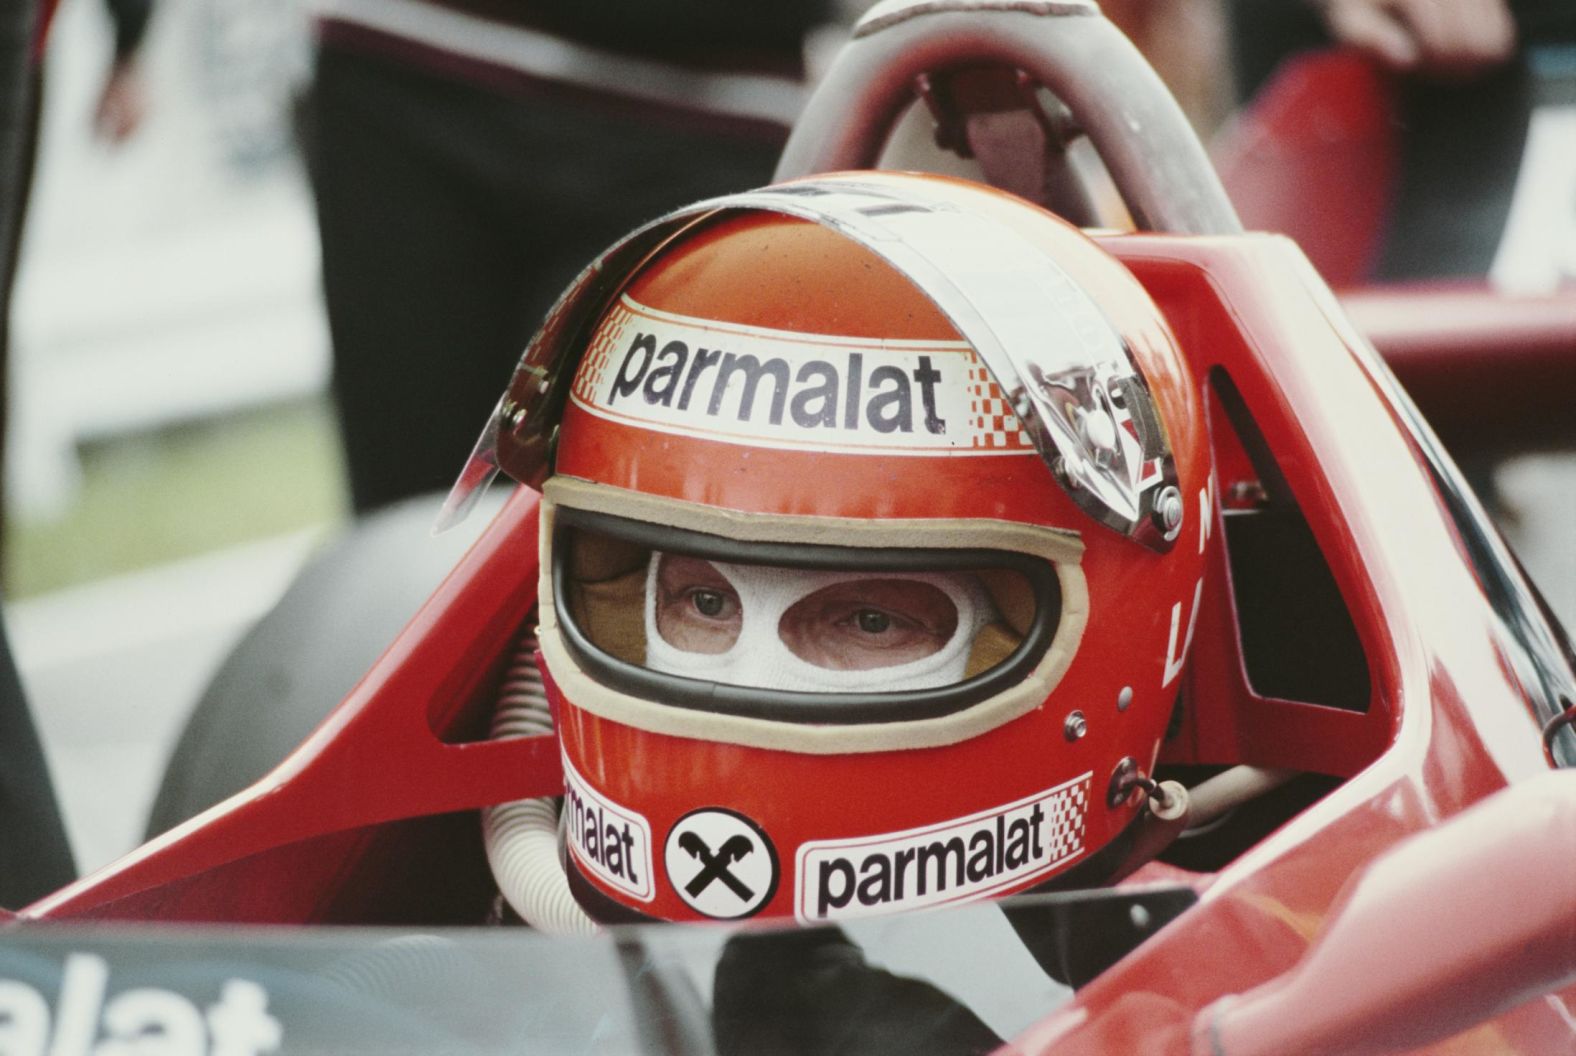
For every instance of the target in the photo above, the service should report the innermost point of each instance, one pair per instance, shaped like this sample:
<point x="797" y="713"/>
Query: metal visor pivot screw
<point x="1168" y="511"/>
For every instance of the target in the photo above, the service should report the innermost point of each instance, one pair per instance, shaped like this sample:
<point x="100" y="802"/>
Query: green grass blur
<point x="181" y="491"/>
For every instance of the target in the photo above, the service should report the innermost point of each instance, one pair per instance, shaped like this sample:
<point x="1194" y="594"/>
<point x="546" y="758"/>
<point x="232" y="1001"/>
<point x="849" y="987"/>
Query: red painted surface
<point x="1314" y="156"/>
<point x="1481" y="942"/>
<point x="1446" y="726"/>
<point x="375" y="759"/>
<point x="1488" y="370"/>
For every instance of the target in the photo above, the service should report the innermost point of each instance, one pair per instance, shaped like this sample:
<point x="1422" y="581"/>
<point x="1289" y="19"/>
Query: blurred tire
<point x="301" y="659"/>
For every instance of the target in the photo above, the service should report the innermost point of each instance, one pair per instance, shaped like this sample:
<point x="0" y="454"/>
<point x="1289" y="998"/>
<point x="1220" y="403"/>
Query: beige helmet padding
<point x="1061" y="547"/>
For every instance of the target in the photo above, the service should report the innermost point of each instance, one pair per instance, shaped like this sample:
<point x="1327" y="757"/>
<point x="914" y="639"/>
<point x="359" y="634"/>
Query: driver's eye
<point x="707" y="602"/>
<point x="873" y="621"/>
<point x="696" y="609"/>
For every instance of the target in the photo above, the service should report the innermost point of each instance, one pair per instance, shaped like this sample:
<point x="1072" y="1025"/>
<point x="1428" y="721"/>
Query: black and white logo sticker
<point x="721" y="863"/>
<point x="612" y="841"/>
<point x="750" y="385"/>
<point x="950" y="861"/>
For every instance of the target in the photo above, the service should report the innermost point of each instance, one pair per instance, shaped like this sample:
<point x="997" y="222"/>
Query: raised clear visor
<point x="475" y="477"/>
<point x="905" y="983"/>
<point x="1073" y="384"/>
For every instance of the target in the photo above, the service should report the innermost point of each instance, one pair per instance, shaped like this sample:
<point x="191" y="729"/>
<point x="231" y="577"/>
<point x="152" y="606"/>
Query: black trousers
<point x="35" y="858"/>
<point x="452" y="215"/>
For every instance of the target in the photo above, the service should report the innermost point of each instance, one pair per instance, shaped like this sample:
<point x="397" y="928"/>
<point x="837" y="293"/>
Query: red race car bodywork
<point x="1445" y="719"/>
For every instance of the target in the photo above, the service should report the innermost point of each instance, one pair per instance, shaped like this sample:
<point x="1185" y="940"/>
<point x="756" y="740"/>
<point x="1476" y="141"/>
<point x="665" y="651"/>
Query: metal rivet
<point x="1168" y="506"/>
<point x="1139" y="916"/>
<point x="1075" y="726"/>
<point x="1124" y="699"/>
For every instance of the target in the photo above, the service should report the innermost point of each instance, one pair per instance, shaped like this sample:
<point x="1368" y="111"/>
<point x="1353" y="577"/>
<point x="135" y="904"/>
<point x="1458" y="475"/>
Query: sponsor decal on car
<point x="741" y="384"/>
<point x="613" y="842"/>
<point x="87" y="1019"/>
<point x="952" y="861"/>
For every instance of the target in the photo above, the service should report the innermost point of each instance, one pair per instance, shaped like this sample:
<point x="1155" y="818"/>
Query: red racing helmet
<point x="872" y="538"/>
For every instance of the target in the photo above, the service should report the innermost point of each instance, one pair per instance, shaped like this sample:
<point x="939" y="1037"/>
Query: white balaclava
<point x="759" y="658"/>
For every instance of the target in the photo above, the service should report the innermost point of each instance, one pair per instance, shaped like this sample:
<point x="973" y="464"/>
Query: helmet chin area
<point x="794" y="632"/>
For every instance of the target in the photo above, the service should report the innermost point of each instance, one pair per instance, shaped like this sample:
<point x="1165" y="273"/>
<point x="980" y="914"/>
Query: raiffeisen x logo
<point x="716" y="866"/>
<point x="733" y="880"/>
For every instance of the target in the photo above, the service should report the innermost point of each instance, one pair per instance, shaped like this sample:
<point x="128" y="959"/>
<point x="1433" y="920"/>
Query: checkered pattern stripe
<point x="992" y="424"/>
<point x="609" y="335"/>
<point x="1064" y="821"/>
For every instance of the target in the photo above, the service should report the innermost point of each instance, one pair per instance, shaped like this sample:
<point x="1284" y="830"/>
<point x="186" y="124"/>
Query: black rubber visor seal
<point x="791" y="706"/>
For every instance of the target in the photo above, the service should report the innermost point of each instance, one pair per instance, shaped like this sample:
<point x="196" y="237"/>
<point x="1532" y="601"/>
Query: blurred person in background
<point x="123" y="100"/>
<point x="468" y="157"/>
<point x="35" y="857"/>
<point x="1464" y="96"/>
<point x="117" y="114"/>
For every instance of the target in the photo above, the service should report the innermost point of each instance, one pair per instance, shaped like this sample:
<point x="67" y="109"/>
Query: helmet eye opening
<point x="600" y="564"/>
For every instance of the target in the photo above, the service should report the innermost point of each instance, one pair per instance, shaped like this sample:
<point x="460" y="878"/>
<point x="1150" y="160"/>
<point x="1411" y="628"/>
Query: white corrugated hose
<point x="522" y="837"/>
